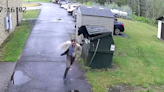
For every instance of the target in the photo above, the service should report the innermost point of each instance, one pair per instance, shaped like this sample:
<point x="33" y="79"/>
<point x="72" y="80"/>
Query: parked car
<point x="67" y="4"/>
<point x="54" y="1"/>
<point x="60" y="1"/>
<point x="118" y="27"/>
<point x="74" y="13"/>
<point x="63" y="5"/>
<point x="72" y="7"/>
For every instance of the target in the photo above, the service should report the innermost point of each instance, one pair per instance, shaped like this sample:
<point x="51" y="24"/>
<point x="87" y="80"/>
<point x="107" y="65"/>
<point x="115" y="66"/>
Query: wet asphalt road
<point x="41" y="62"/>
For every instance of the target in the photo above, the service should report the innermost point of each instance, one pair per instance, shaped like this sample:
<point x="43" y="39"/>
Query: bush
<point x="112" y="6"/>
<point x="88" y="3"/>
<point x="143" y="19"/>
<point x="124" y="8"/>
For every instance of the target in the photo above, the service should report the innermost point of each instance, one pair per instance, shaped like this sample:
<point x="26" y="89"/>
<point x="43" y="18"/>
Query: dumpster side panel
<point x="85" y="50"/>
<point x="105" y="43"/>
<point x="101" y="60"/>
<point x="103" y="57"/>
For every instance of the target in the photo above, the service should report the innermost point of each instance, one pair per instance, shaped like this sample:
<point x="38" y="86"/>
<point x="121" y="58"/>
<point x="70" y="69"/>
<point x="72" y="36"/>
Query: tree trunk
<point x="147" y="8"/>
<point x="139" y="13"/>
<point x="110" y="1"/>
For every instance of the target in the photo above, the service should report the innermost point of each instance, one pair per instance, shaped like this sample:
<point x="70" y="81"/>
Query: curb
<point x="6" y="74"/>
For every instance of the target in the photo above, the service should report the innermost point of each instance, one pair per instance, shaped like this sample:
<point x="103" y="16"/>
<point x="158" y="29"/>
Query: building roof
<point x="160" y="18"/>
<point x="94" y="11"/>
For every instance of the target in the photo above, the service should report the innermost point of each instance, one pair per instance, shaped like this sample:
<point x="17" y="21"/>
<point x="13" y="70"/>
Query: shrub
<point x="88" y="3"/>
<point x="112" y="6"/>
<point x="143" y="19"/>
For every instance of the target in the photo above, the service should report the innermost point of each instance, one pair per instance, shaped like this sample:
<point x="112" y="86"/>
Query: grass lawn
<point x="30" y="4"/>
<point x="31" y="14"/>
<point x="46" y="1"/>
<point x="139" y="60"/>
<point x="11" y="49"/>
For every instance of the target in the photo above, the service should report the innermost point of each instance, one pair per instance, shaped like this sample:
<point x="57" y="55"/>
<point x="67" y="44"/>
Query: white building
<point x="160" y="33"/>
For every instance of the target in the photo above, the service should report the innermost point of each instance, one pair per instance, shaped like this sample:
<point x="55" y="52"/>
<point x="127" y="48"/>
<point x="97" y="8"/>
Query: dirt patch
<point x="128" y="88"/>
<point x="113" y="66"/>
<point x="121" y="53"/>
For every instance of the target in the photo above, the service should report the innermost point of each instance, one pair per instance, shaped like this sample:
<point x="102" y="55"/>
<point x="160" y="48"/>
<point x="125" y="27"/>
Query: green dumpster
<point x="98" y="50"/>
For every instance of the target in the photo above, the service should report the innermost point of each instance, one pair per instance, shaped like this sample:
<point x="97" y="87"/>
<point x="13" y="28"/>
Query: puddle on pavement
<point x="56" y="20"/>
<point x="73" y="91"/>
<point x="19" y="78"/>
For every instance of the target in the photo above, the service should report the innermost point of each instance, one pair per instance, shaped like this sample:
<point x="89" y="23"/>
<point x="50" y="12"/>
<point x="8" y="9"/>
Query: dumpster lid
<point x="100" y="36"/>
<point x="92" y="30"/>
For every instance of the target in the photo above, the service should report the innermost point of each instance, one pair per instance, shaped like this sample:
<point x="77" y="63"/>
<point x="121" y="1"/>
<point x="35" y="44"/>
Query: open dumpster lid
<point x="101" y="36"/>
<point x="93" y="30"/>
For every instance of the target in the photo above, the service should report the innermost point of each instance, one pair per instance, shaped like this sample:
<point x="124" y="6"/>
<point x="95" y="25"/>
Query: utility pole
<point x="28" y="1"/>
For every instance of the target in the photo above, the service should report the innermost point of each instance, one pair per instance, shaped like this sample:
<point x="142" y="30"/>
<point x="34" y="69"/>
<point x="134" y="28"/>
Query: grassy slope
<point x="30" y="4"/>
<point x="12" y="47"/>
<point x="139" y="59"/>
<point x="31" y="14"/>
<point x="36" y="1"/>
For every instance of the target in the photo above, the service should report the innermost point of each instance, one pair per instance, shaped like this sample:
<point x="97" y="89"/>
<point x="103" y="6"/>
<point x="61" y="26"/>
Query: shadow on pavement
<point x="122" y="35"/>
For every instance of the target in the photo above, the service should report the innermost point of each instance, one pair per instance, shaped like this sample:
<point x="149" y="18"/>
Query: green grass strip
<point x="30" y="4"/>
<point x="11" y="49"/>
<point x="31" y="14"/>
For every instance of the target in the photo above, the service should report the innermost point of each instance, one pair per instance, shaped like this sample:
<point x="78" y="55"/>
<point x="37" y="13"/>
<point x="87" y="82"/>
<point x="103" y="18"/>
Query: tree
<point x="139" y="8"/>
